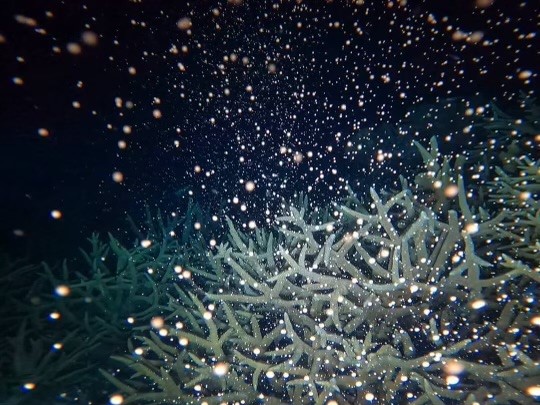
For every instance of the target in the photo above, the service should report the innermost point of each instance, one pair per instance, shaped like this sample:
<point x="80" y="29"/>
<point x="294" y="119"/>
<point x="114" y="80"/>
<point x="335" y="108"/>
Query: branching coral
<point x="377" y="304"/>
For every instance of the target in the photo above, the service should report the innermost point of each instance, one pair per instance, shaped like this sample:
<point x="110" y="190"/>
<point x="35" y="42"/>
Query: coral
<point x="386" y="303"/>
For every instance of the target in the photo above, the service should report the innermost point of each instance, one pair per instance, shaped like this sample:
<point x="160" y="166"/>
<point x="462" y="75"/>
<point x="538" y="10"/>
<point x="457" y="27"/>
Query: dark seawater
<point x="252" y="201"/>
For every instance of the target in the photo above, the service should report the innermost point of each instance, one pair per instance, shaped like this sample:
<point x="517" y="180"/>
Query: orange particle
<point x="451" y="191"/>
<point x="74" y="48"/>
<point x="184" y="23"/>
<point x="524" y="74"/>
<point x="2" y="39"/>
<point x="484" y="3"/>
<point x="44" y="132"/>
<point x="89" y="38"/>
<point x="18" y="81"/>
<point x="22" y="19"/>
<point x="56" y="214"/>
<point x="157" y="114"/>
<point x="118" y="177"/>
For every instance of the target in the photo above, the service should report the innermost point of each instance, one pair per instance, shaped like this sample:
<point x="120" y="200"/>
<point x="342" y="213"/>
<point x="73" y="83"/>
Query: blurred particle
<point x="146" y="243"/>
<point x="29" y="386"/>
<point x="126" y="129"/>
<point x="478" y="304"/>
<point x="132" y="71"/>
<point x="43" y="132"/>
<point x="116" y="399"/>
<point x="484" y="3"/>
<point x="118" y="177"/>
<point x="156" y="114"/>
<point x="250" y="186"/>
<point x="56" y="214"/>
<point x="454" y="367"/>
<point x="534" y="391"/>
<point x="471" y="228"/>
<point x="54" y="316"/>
<point x="74" y="48"/>
<point x="22" y="19"/>
<point x="89" y="38"/>
<point x="18" y="81"/>
<point x="3" y="39"/>
<point x="451" y="191"/>
<point x="62" y="290"/>
<point x="524" y="74"/>
<point x="18" y="232"/>
<point x="184" y="23"/>
<point x="157" y="322"/>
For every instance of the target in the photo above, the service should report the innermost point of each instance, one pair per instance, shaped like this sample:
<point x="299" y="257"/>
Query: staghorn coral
<point x="386" y="303"/>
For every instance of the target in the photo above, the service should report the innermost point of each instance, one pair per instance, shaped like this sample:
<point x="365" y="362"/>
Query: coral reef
<point x="426" y="294"/>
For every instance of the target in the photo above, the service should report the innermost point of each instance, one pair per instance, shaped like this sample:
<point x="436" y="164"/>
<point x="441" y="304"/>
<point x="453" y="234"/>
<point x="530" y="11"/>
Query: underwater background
<point x="269" y="201"/>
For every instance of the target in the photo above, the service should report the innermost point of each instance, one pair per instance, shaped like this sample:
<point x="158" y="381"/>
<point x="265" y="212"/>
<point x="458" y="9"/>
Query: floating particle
<point x="55" y="315"/>
<point x="116" y="399"/>
<point x="533" y="391"/>
<point x="272" y="68"/>
<point x="484" y="3"/>
<point x="74" y="48"/>
<point x="43" y="132"/>
<point x="157" y="322"/>
<point x="146" y="243"/>
<point x="156" y="114"/>
<point x="250" y="186"/>
<point x="56" y="214"/>
<point x="29" y="386"/>
<point x="89" y="38"/>
<point x="478" y="304"/>
<point x="221" y="369"/>
<point x="454" y="367"/>
<point x="524" y="74"/>
<point x="18" y="81"/>
<point x="452" y="380"/>
<point x="472" y="227"/>
<point x="451" y="191"/>
<point x="22" y="19"/>
<point x="18" y="232"/>
<point x="118" y="177"/>
<point x="184" y="23"/>
<point x="62" y="290"/>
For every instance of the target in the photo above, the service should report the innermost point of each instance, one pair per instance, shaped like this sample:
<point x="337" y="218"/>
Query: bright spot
<point x="478" y="304"/>
<point x="221" y="369"/>
<point x="250" y="186"/>
<point x="62" y="290"/>
<point x="157" y="322"/>
<point x="56" y="214"/>
<point x="116" y="399"/>
<point x="118" y="177"/>
<point x="146" y="243"/>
